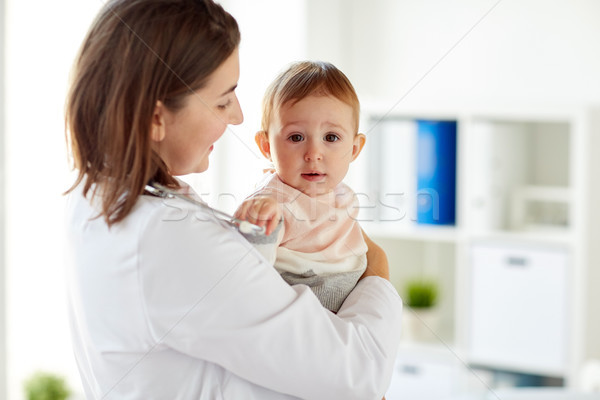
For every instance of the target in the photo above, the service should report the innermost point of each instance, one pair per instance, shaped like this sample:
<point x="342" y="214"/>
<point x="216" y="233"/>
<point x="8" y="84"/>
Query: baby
<point x="310" y="134"/>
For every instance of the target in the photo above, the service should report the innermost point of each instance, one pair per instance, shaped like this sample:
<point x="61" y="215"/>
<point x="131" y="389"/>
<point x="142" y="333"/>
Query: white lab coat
<point x="171" y="304"/>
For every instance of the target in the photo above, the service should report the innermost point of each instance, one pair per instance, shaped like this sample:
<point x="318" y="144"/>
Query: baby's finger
<point x="272" y="225"/>
<point x="253" y="212"/>
<point x="242" y="211"/>
<point x="250" y="211"/>
<point x="238" y="213"/>
<point x="261" y="212"/>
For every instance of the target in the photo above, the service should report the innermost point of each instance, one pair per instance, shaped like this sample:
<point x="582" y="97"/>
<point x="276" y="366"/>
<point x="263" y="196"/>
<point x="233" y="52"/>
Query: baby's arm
<point x="262" y="210"/>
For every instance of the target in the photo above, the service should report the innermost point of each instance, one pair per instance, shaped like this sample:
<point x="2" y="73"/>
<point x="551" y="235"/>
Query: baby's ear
<point x="262" y="140"/>
<point x="359" y="142"/>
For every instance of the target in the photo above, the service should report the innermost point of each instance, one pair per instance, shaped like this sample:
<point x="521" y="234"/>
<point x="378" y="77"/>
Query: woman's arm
<point x="377" y="263"/>
<point x="210" y="296"/>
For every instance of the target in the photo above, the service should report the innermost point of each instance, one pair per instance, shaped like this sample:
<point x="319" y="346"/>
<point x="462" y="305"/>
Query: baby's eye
<point x="331" y="137"/>
<point x="296" y="137"/>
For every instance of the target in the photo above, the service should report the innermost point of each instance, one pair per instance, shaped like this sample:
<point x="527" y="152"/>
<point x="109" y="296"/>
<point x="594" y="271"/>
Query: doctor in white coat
<point x="167" y="301"/>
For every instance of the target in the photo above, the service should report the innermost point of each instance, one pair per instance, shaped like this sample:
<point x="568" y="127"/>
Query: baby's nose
<point x="313" y="153"/>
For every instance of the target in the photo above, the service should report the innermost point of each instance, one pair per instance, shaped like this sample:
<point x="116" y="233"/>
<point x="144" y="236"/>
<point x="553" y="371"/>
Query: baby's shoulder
<point x="273" y="186"/>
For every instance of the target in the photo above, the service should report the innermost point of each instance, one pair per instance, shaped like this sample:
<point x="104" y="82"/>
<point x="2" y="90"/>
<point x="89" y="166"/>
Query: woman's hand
<point x="260" y="210"/>
<point x="377" y="262"/>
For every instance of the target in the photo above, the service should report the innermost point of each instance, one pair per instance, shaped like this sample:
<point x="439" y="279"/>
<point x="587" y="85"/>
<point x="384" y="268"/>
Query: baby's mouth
<point x="313" y="176"/>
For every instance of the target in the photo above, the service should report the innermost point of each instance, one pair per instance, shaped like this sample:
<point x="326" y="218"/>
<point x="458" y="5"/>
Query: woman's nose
<point x="237" y="116"/>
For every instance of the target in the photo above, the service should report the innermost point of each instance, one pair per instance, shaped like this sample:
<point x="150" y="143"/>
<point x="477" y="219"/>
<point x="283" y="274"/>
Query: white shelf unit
<point x="527" y="178"/>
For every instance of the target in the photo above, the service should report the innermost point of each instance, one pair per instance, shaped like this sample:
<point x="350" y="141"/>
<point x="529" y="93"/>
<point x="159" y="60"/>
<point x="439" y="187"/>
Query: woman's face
<point x="184" y="139"/>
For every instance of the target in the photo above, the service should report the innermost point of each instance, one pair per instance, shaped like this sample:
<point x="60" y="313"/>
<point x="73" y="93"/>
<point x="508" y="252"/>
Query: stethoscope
<point x="244" y="227"/>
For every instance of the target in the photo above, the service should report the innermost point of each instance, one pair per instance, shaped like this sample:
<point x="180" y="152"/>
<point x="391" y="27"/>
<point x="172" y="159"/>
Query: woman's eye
<point x="331" y="137"/>
<point x="224" y="106"/>
<point x="296" y="137"/>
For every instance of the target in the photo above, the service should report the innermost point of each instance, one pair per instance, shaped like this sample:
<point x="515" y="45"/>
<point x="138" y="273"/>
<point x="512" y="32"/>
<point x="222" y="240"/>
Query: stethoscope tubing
<point x="245" y="227"/>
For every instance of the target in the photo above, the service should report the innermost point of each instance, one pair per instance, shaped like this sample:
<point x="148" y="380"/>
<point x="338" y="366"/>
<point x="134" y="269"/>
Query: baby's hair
<point x="306" y="78"/>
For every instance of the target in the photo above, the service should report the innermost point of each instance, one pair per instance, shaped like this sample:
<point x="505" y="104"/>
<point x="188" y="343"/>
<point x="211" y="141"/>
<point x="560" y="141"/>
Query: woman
<point x="167" y="301"/>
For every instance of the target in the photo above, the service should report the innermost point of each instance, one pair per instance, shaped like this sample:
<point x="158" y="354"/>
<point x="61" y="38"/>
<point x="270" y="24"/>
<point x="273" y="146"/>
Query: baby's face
<point x="312" y="143"/>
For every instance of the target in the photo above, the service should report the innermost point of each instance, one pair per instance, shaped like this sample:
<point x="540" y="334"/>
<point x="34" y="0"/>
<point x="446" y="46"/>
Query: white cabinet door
<point x="518" y="304"/>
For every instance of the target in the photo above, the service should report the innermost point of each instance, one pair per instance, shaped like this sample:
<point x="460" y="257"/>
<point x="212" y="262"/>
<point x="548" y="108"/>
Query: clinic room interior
<point x="479" y="178"/>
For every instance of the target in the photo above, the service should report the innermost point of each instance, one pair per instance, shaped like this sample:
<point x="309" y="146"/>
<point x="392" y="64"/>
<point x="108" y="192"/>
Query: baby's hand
<point x="262" y="211"/>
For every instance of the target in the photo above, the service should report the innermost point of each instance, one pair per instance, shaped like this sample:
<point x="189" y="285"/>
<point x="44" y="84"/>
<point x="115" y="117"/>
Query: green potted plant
<point x="421" y="293"/>
<point x="46" y="386"/>
<point x="421" y="315"/>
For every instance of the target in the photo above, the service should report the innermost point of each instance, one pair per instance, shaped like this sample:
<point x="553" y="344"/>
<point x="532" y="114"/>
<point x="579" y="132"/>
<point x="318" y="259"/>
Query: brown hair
<point x="306" y="78"/>
<point x="138" y="52"/>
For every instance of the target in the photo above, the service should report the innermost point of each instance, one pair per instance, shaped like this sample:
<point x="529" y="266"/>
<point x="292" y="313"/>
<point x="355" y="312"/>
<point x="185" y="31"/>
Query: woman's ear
<point x="158" y="132"/>
<point x="359" y="142"/>
<point x="262" y="140"/>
